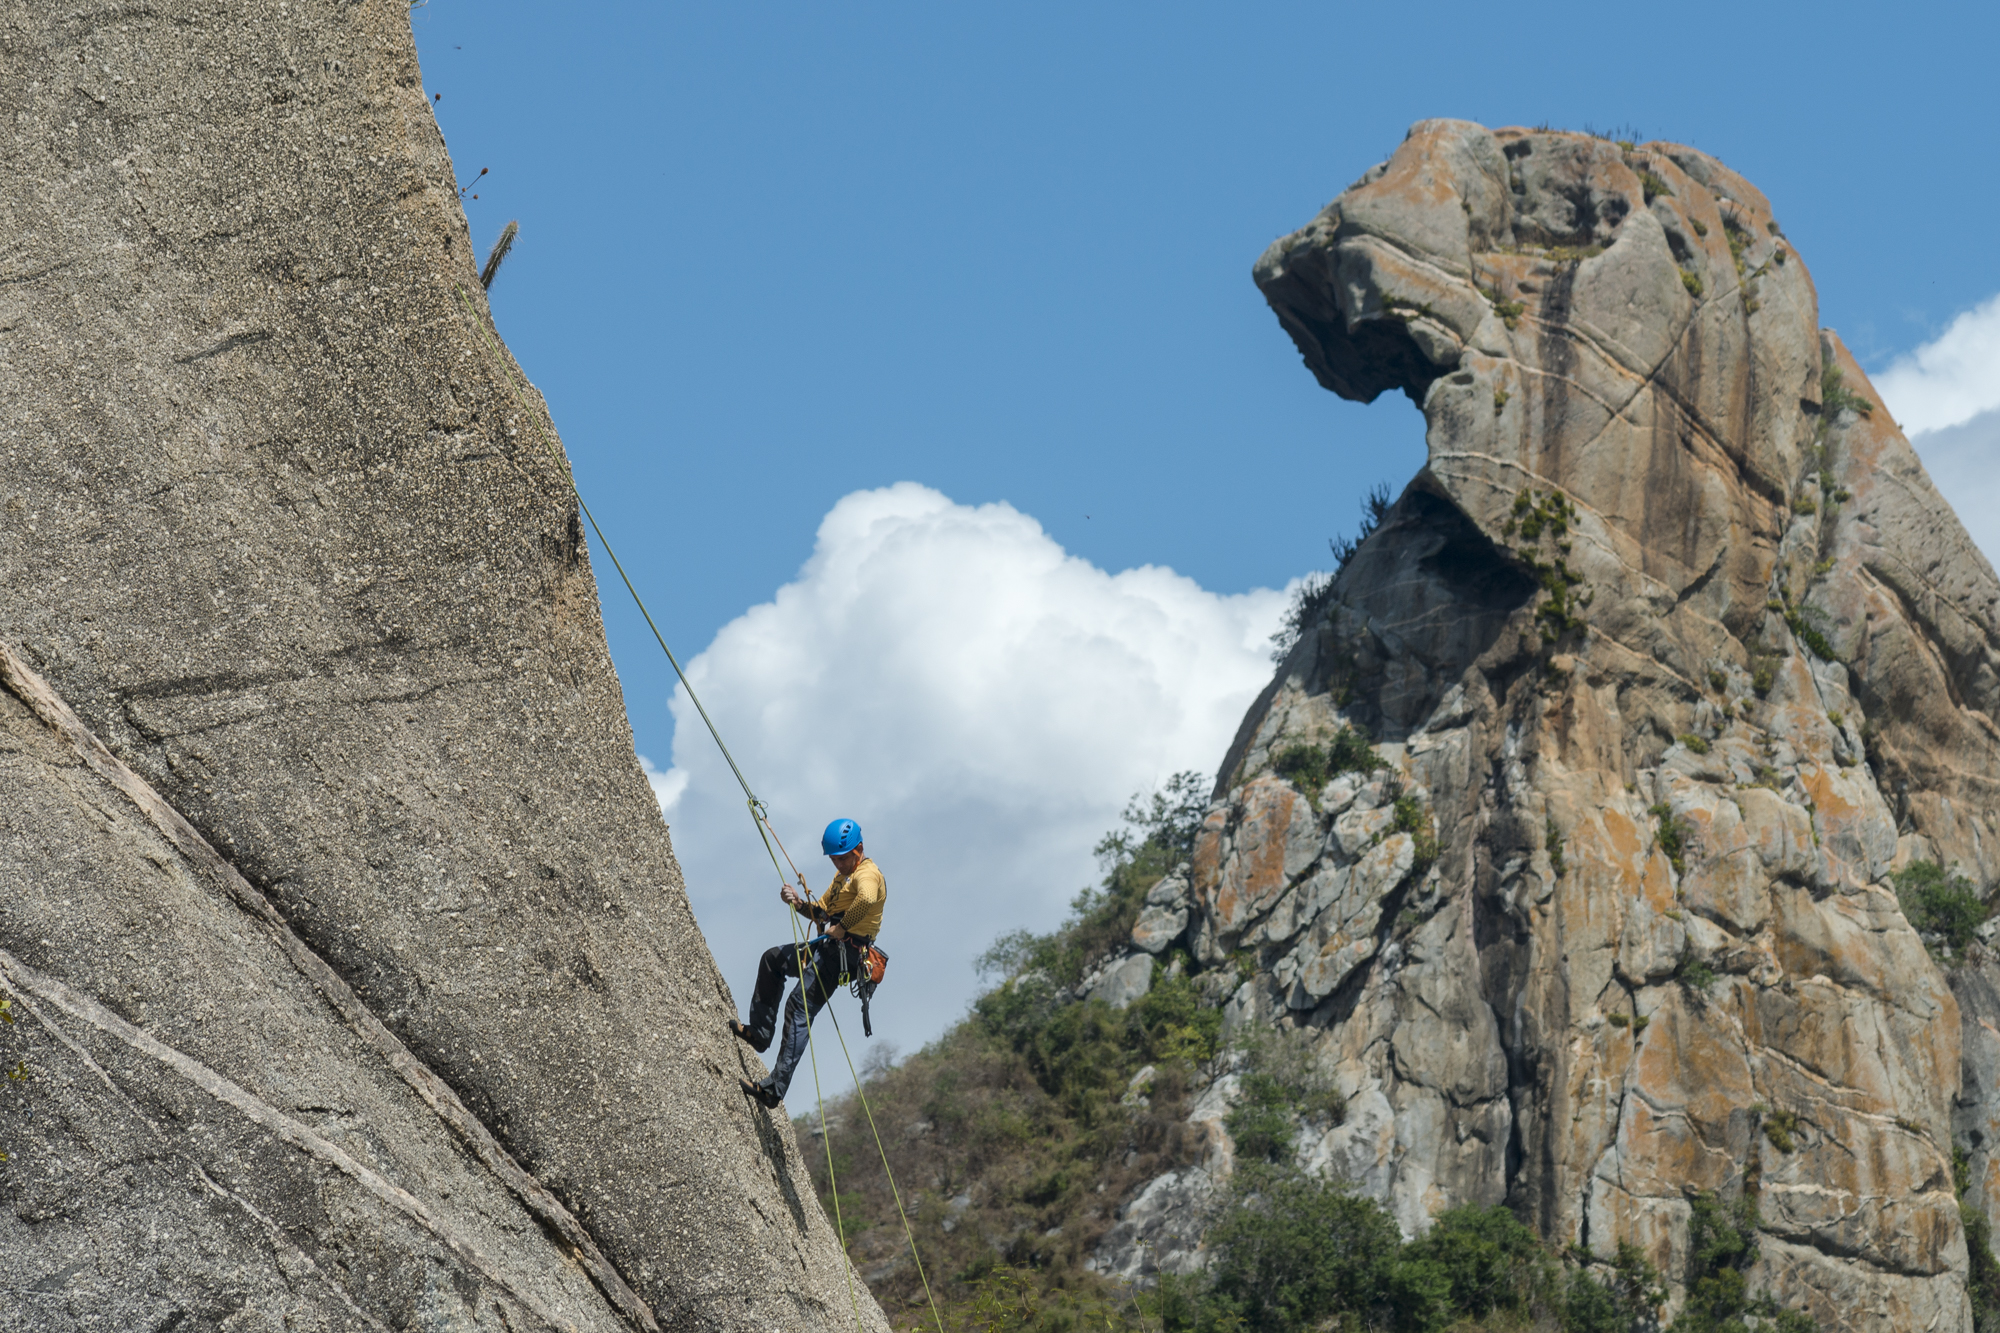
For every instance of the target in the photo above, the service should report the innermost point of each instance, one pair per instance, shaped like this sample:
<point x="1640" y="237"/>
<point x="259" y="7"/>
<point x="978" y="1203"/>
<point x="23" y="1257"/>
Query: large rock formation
<point x="353" y="971"/>
<point x="1677" y="656"/>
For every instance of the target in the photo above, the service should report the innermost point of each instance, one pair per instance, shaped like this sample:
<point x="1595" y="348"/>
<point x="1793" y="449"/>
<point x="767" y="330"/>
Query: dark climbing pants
<point x="825" y="964"/>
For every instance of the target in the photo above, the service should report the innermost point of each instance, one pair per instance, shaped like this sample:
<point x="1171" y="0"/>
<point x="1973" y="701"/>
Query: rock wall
<point x="1675" y="655"/>
<point x="353" y="969"/>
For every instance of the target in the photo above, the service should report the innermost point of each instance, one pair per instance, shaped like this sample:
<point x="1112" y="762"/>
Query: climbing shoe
<point x="748" y="1037"/>
<point x="760" y="1094"/>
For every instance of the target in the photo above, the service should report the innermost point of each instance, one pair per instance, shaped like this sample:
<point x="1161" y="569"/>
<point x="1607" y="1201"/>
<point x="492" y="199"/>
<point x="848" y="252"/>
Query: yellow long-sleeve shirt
<point x="857" y="899"/>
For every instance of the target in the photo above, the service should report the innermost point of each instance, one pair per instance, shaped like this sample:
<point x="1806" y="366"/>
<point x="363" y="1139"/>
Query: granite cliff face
<point x="352" y="968"/>
<point x="1676" y="656"/>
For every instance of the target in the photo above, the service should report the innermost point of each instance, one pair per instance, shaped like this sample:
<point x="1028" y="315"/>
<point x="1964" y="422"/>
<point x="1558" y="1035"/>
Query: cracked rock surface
<point x="286" y="530"/>
<point x="1674" y="656"/>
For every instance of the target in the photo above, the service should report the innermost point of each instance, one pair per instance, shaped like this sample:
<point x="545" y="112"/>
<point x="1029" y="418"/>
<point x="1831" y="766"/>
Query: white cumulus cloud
<point x="982" y="702"/>
<point x="1964" y="463"/>
<point x="1946" y="396"/>
<point x="1950" y="379"/>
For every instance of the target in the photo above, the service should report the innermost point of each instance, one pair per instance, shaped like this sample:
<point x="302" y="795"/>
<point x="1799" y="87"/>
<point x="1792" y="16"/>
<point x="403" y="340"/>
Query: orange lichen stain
<point x="1623" y="833"/>
<point x="1258" y="869"/>
<point x="1411" y="174"/>
<point x="1208" y="853"/>
<point x="1826" y="797"/>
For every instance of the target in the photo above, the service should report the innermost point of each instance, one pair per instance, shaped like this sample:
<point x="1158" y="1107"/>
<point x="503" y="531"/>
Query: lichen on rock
<point x="1668" y="729"/>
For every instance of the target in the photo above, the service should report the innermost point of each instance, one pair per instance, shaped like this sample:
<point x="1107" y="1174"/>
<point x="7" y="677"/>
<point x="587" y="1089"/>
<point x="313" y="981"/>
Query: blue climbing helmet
<point x="841" y="836"/>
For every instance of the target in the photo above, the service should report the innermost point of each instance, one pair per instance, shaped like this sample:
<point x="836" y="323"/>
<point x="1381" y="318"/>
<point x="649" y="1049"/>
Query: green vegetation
<point x="1763" y="675"/>
<point x="1835" y="397"/>
<point x="1673" y="837"/>
<point x="1782" y="1128"/>
<point x="1293" y="1253"/>
<point x="1315" y="591"/>
<point x="1278" y="1090"/>
<point x="1004" y="1130"/>
<point x="1401" y="308"/>
<point x="1700" y="227"/>
<point x="1413" y="819"/>
<point x="1309" y="600"/>
<point x="1805" y="502"/>
<point x="1692" y="281"/>
<point x="1500" y="397"/>
<point x="1697" y="744"/>
<point x="1571" y="254"/>
<point x="1945" y="908"/>
<point x="1311" y="767"/>
<point x="1536" y="516"/>
<point x="1653" y="186"/>
<point x="1982" y="1278"/>
<point x="1694" y="972"/>
<point x="1809" y="625"/>
<point x="1739" y="240"/>
<point x="1552" y="842"/>
<point x="1018" y="1134"/>
<point x="1722" y="1243"/>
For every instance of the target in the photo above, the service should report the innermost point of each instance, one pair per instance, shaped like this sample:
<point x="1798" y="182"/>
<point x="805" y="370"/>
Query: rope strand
<point x="760" y="817"/>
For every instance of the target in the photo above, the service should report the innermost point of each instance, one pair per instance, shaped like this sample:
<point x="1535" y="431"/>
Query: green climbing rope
<point x="766" y="834"/>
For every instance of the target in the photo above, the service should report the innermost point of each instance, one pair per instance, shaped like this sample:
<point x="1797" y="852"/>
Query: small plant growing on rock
<point x="1695" y="973"/>
<point x="1763" y="675"/>
<point x="1722" y="1247"/>
<point x="1304" y="766"/>
<point x="1654" y="187"/>
<point x="1809" y="626"/>
<point x="498" y="255"/>
<point x="1805" y="503"/>
<point x="1692" y="281"/>
<point x="1309" y="599"/>
<point x="1500" y="397"/>
<point x="1673" y="837"/>
<point x="1552" y="842"/>
<point x="1717" y="681"/>
<point x="1696" y="744"/>
<point x="1352" y="752"/>
<point x="1782" y="1129"/>
<point x="1946" y="909"/>
<point x="1835" y="397"/>
<point x="1510" y="312"/>
<point x="1311" y="767"/>
<point x="1413" y="819"/>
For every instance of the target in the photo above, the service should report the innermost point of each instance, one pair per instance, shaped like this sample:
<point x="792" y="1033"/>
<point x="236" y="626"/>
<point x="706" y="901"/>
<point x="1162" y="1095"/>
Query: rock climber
<point x="851" y="911"/>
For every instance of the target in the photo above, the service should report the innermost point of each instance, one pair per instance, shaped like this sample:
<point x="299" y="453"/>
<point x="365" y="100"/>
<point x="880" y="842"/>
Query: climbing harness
<point x="874" y="965"/>
<point x="875" y="962"/>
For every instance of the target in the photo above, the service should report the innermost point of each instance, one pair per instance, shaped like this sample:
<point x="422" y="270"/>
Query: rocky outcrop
<point x="354" y="975"/>
<point x="1674" y="655"/>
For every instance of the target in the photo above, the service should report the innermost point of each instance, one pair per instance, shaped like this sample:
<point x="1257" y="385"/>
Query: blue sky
<point x="775" y="256"/>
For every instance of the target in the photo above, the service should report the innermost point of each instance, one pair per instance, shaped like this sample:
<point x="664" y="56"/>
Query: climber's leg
<point x="774" y="969"/>
<point x="821" y="979"/>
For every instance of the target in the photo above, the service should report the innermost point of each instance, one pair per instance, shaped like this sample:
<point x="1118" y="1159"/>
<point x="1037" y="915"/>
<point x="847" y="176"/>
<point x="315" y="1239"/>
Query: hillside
<point x="1599" y="885"/>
